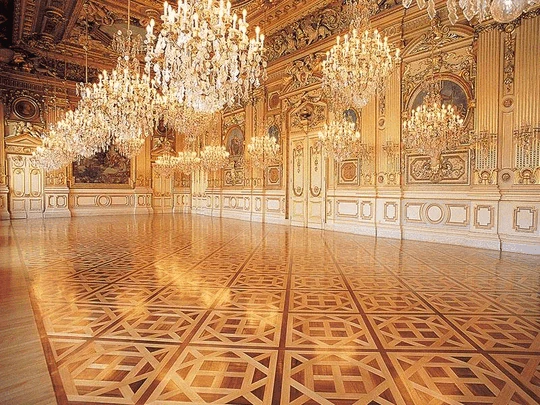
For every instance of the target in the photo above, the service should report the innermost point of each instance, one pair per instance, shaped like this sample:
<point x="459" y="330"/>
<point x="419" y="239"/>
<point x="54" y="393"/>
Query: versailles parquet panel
<point x="194" y="310"/>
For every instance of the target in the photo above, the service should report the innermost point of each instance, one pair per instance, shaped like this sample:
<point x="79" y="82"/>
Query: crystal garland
<point x="203" y="56"/>
<point x="341" y="140"/>
<point x="214" y="157"/>
<point x="357" y="67"/>
<point x="263" y="151"/>
<point x="433" y="127"/>
<point x="503" y="11"/>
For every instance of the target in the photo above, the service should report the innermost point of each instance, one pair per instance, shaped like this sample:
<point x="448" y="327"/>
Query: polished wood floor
<point x="194" y="310"/>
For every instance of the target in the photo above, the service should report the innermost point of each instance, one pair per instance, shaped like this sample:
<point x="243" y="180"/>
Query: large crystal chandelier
<point x="433" y="127"/>
<point x="341" y="139"/>
<point x="503" y="11"/>
<point x="263" y="151"/>
<point x="214" y="157"/>
<point x="357" y="66"/>
<point x="203" y="56"/>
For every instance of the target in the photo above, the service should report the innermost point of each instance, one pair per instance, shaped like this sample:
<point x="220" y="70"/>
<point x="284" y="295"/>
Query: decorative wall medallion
<point x="273" y="100"/>
<point x="26" y="108"/>
<point x="434" y="213"/>
<point x="274" y="176"/>
<point x="348" y="172"/>
<point x="525" y="219"/>
<point x="508" y="102"/>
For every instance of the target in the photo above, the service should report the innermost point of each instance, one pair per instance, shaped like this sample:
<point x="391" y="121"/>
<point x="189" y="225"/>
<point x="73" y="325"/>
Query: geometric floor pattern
<point x="187" y="309"/>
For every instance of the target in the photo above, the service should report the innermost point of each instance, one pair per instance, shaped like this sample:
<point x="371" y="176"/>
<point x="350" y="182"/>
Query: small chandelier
<point x="263" y="151"/>
<point x="203" y="56"/>
<point x="188" y="162"/>
<point x="166" y="163"/>
<point x="214" y="158"/>
<point x="503" y="11"/>
<point x="341" y="140"/>
<point x="356" y="67"/>
<point x="185" y="120"/>
<point x="433" y="127"/>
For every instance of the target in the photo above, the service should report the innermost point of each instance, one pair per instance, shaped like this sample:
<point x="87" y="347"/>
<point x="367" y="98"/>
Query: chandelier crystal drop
<point x="357" y="66"/>
<point x="433" y="127"/>
<point x="188" y="162"/>
<point x="341" y="140"/>
<point x="203" y="57"/>
<point x="263" y="151"/>
<point x="214" y="158"/>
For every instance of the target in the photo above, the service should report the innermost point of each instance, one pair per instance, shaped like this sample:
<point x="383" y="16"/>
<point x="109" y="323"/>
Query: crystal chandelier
<point x="341" y="140"/>
<point x="126" y="98"/>
<point x="503" y="11"/>
<point x="214" y="158"/>
<point x="203" y="56"/>
<point x="263" y="151"/>
<point x="185" y="120"/>
<point x="357" y="67"/>
<point x="188" y="162"/>
<point x="433" y="127"/>
<point x="166" y="164"/>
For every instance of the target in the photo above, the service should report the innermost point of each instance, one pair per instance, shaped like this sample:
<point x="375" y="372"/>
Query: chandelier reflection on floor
<point x="503" y="11"/>
<point x="357" y="66"/>
<point x="203" y="56"/>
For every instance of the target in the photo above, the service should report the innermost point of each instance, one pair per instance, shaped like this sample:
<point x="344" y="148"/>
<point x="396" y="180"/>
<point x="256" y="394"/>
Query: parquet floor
<point x="194" y="310"/>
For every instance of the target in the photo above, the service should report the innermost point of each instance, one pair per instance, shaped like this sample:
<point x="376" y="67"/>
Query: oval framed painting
<point x="25" y="108"/>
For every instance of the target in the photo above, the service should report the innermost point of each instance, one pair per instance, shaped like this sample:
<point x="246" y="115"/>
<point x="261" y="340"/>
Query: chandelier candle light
<point x="203" y="57"/>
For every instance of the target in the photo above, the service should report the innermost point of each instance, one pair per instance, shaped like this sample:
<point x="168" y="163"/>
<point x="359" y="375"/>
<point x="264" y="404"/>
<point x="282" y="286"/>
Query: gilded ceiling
<point x="47" y="37"/>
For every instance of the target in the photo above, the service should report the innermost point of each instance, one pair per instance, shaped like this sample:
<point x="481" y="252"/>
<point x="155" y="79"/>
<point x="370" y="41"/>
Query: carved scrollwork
<point x="305" y="32"/>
